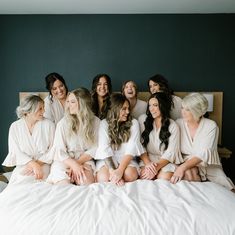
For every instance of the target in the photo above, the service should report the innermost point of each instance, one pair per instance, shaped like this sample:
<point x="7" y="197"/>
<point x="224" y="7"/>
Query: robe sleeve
<point x="104" y="149"/>
<point x="60" y="147"/>
<point x="134" y="147"/>
<point x="15" y="155"/>
<point x="48" y="156"/>
<point x="206" y="147"/>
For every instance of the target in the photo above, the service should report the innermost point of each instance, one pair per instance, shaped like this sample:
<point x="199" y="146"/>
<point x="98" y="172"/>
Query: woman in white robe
<point x="161" y="139"/>
<point x="56" y="100"/>
<point x="30" y="141"/>
<point x="137" y="106"/>
<point x="158" y="83"/>
<point x="199" y="138"/>
<point x="119" y="143"/>
<point x="75" y="142"/>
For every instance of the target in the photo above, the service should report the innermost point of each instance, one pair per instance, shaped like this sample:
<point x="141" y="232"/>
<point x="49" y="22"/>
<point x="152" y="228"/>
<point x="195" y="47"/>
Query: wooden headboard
<point x="216" y="115"/>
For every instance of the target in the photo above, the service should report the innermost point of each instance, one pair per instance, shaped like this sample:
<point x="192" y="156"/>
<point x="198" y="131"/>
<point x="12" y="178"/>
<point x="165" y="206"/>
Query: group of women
<point x="82" y="137"/>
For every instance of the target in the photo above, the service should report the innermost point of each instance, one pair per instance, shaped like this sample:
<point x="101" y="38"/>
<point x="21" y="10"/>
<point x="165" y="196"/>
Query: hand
<point x="115" y="175"/>
<point x="149" y="171"/>
<point x="121" y="182"/>
<point x="34" y="168"/>
<point x="178" y="174"/>
<point x="151" y="167"/>
<point x="77" y="173"/>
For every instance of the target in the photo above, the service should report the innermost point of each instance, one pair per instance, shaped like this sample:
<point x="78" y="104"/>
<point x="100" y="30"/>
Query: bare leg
<point x="192" y="175"/>
<point x="89" y="175"/>
<point x="103" y="175"/>
<point x="130" y="174"/>
<point x="196" y="176"/>
<point x="164" y="175"/>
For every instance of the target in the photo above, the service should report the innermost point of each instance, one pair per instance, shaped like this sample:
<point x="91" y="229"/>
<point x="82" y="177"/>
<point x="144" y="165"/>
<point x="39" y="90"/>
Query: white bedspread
<point x="142" y="207"/>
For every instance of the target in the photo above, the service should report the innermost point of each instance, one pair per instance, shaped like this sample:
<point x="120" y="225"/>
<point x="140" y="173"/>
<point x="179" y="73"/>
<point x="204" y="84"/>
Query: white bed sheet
<point x="141" y="207"/>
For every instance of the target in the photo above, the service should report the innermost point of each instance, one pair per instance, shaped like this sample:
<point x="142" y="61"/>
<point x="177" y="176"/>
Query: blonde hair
<point x="119" y="132"/>
<point x="82" y="122"/>
<point x="196" y="103"/>
<point x="29" y="104"/>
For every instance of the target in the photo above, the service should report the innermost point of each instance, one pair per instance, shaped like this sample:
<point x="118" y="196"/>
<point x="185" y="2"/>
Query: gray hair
<point x="196" y="103"/>
<point x="29" y="104"/>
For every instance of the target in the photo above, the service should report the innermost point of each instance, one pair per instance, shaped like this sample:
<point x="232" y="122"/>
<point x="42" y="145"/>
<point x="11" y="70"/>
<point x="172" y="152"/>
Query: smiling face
<point x="102" y="87"/>
<point x="38" y="114"/>
<point x="72" y="104"/>
<point x="124" y="112"/>
<point x="58" y="90"/>
<point x="154" y="108"/>
<point x="154" y="87"/>
<point x="129" y="90"/>
<point x="187" y="115"/>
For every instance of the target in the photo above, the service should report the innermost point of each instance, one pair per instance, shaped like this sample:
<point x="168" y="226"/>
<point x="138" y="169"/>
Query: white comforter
<point x="142" y="207"/>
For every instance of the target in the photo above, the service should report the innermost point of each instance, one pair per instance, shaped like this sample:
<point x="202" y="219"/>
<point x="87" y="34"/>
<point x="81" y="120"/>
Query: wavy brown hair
<point x="119" y="132"/>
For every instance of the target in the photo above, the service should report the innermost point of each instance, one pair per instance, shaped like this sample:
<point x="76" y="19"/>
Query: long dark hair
<point x="164" y="107"/>
<point x="51" y="78"/>
<point x="164" y="86"/>
<point x="106" y="103"/>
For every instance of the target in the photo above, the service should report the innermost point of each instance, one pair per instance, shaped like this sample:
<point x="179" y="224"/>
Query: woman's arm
<point x="83" y="158"/>
<point x="180" y="171"/>
<point x="78" y="173"/>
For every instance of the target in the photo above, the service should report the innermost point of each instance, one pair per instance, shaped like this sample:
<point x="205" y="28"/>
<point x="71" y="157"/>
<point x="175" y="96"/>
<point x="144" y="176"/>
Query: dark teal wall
<point x="195" y="53"/>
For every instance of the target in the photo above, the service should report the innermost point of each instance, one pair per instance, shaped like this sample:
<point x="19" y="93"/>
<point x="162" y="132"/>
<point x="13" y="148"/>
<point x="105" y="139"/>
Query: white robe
<point x="175" y="112"/>
<point x="54" y="110"/>
<point x="139" y="109"/>
<point x="66" y="146"/>
<point x="24" y="147"/>
<point x="204" y="146"/>
<point x="171" y="154"/>
<point x="132" y="147"/>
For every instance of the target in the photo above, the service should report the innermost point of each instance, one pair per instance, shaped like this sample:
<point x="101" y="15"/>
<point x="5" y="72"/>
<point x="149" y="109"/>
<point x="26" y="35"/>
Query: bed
<point x="140" y="207"/>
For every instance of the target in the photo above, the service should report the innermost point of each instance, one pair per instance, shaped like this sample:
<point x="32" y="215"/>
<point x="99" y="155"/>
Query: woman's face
<point x="124" y="112"/>
<point x="154" y="108"/>
<point x="72" y="104"/>
<point x="58" y="90"/>
<point x="38" y="114"/>
<point x="186" y="114"/>
<point x="153" y="87"/>
<point x="129" y="90"/>
<point x="102" y="87"/>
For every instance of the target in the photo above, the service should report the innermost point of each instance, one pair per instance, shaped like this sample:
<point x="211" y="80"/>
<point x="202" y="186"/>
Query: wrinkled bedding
<point x="142" y="207"/>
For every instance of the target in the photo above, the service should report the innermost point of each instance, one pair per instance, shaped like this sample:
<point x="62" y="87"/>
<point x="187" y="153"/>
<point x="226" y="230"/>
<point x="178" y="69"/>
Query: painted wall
<point x="195" y="53"/>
